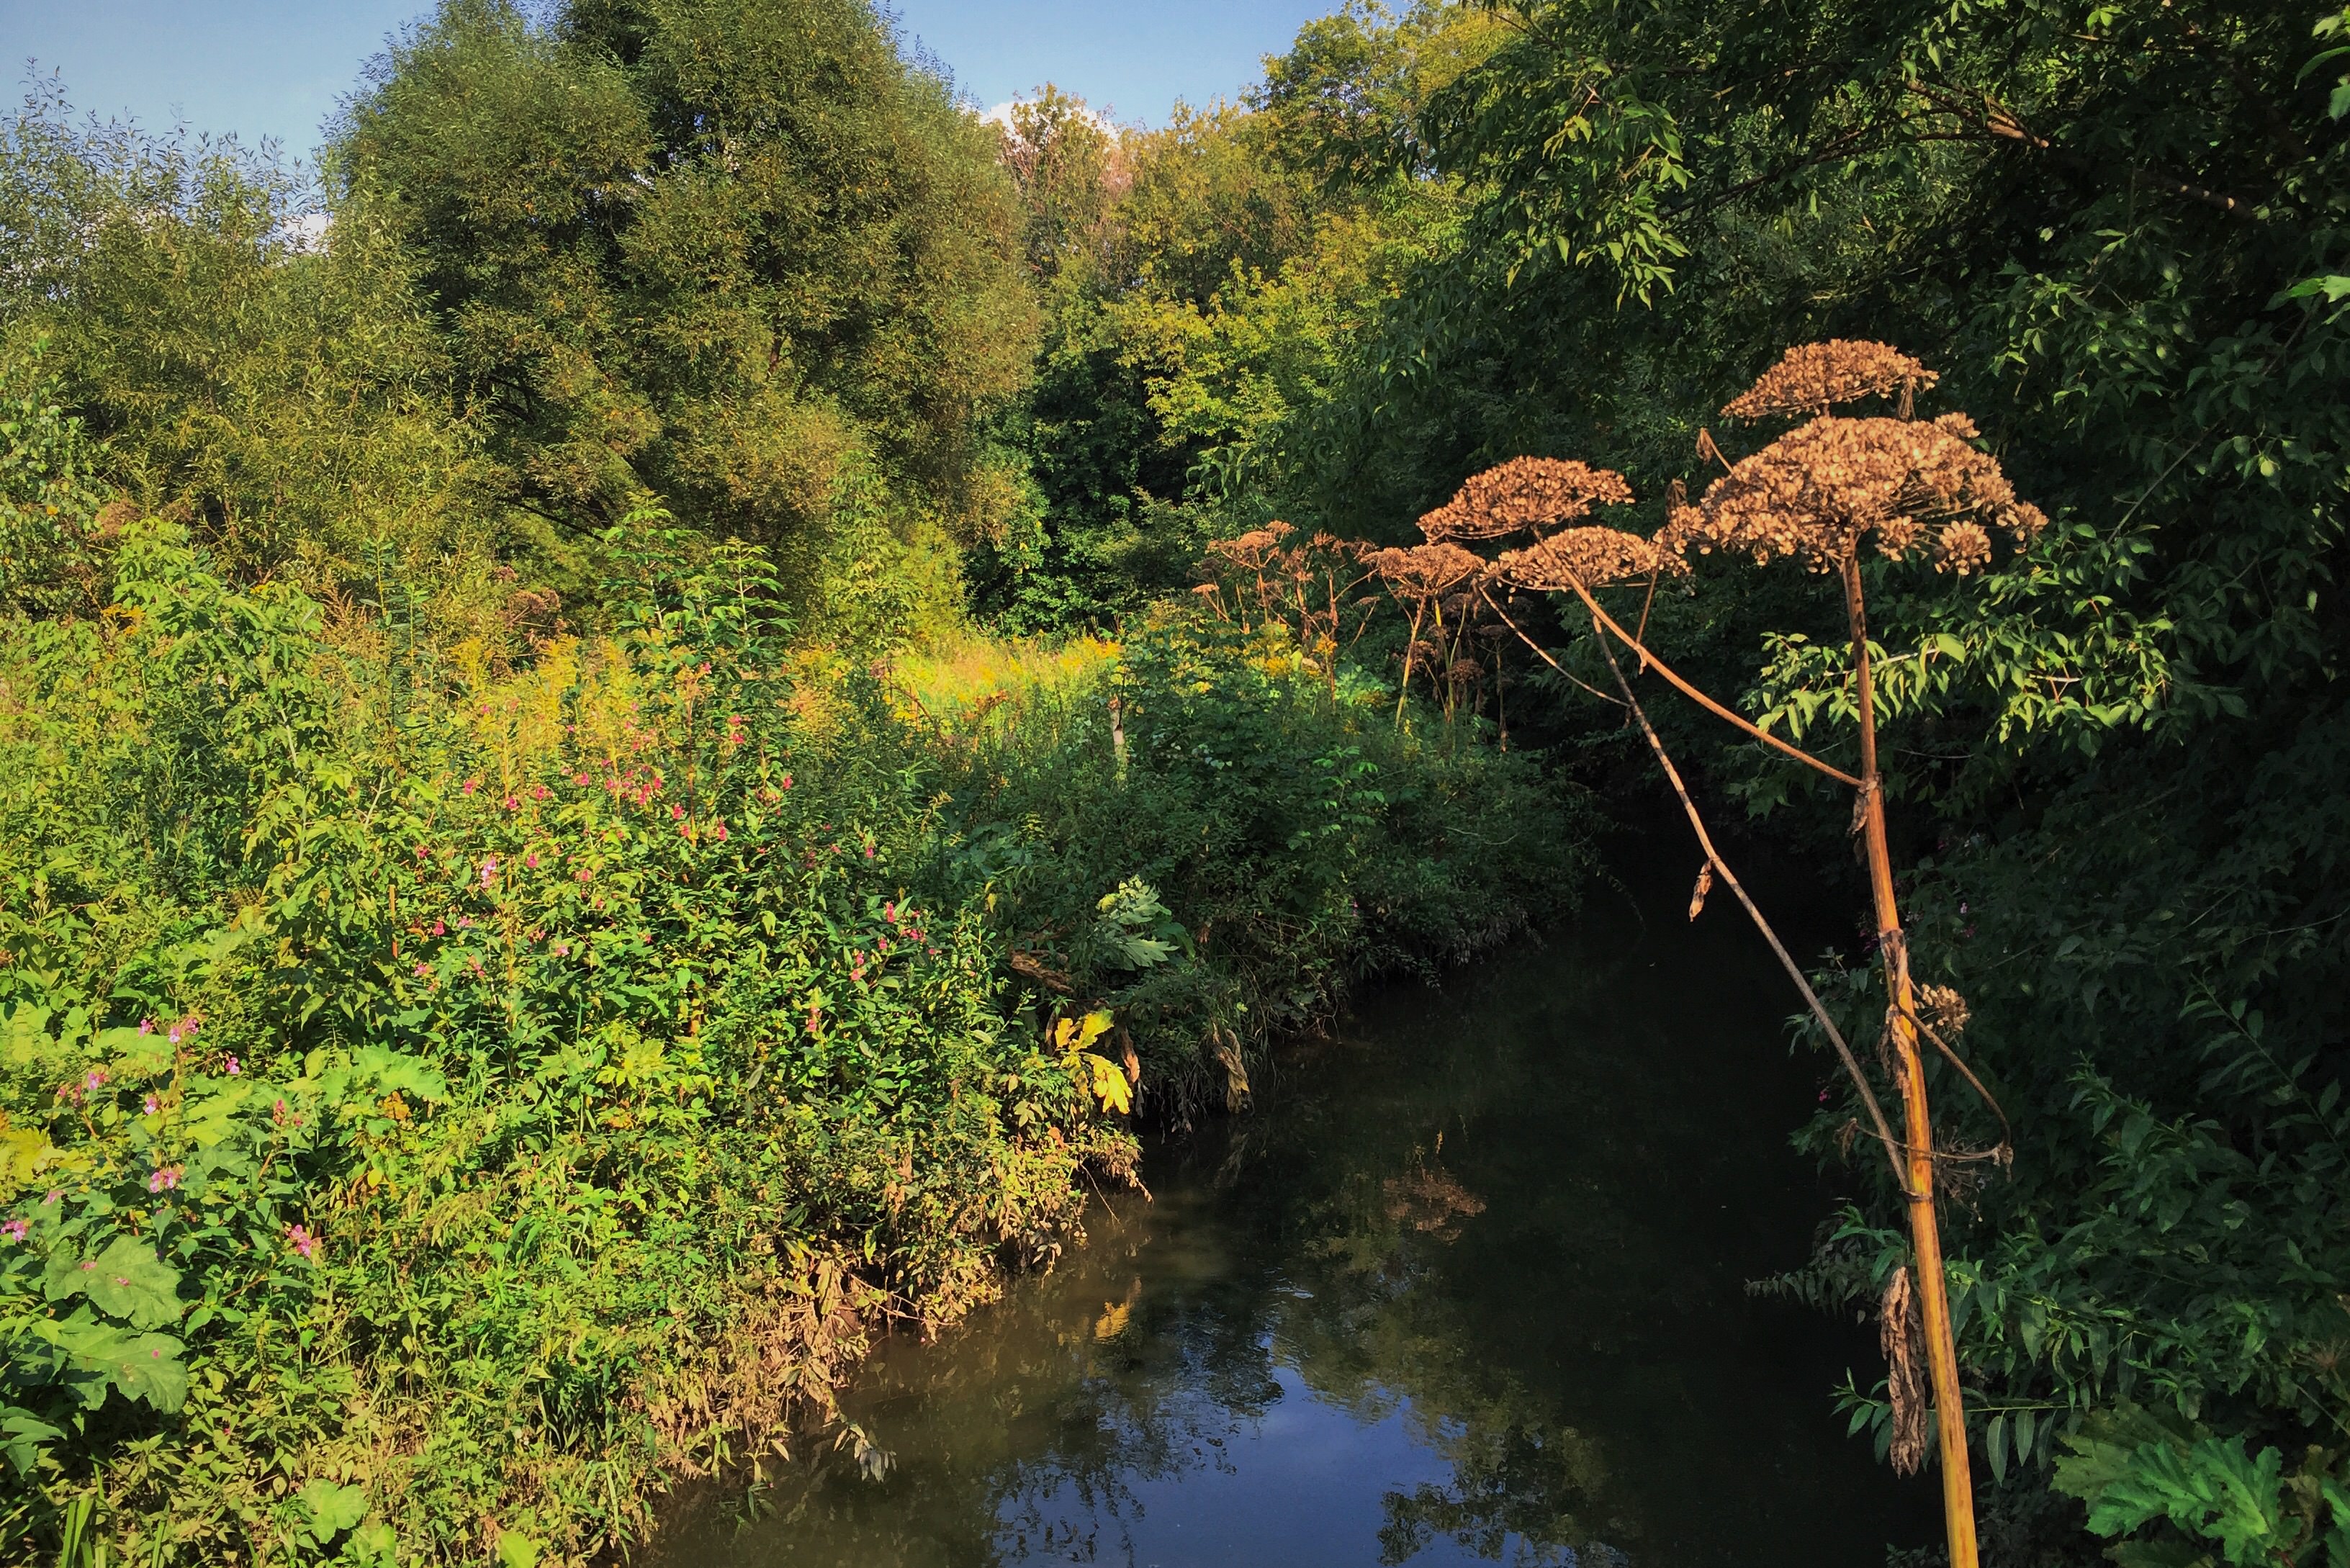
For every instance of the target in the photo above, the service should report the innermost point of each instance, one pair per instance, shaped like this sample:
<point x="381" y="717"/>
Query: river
<point x="1465" y="1287"/>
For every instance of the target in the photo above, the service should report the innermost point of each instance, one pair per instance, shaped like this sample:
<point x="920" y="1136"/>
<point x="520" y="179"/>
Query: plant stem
<point x="1926" y="1241"/>
<point x="1650" y="662"/>
<point x="1730" y="879"/>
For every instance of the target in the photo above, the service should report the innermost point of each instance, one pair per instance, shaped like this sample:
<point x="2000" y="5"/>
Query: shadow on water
<point x="1466" y="1288"/>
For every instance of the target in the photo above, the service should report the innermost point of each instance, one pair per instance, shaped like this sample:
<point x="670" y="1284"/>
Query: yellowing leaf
<point x="1097" y="1025"/>
<point x="1113" y="1319"/>
<point x="1109" y="1084"/>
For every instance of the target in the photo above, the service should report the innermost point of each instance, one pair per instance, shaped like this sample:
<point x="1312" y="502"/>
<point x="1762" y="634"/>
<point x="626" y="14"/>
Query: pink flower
<point x="97" y="1076"/>
<point x="146" y="1026"/>
<point x="473" y="784"/>
<point x="511" y="804"/>
<point x="530" y="862"/>
<point x="423" y="852"/>
<point x="675" y="812"/>
<point x="302" y="1241"/>
<point x="154" y="1105"/>
<point x="719" y="832"/>
<point x="234" y="1066"/>
<point x="174" y="1034"/>
<point x="439" y="930"/>
<point x="166" y="1178"/>
<point x="489" y="871"/>
<point x="563" y="950"/>
<point x="423" y="969"/>
<point x="464" y="922"/>
<point x="889" y="912"/>
<point x="15" y="1229"/>
<point x="538" y="792"/>
<point x="787" y="781"/>
<point x="868" y="852"/>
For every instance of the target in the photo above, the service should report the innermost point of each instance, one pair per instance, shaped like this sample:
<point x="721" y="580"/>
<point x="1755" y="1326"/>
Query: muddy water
<point x="1466" y="1288"/>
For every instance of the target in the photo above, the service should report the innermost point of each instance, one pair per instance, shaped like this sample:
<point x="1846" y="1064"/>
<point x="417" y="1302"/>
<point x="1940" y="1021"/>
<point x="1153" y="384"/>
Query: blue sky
<point x="276" y="67"/>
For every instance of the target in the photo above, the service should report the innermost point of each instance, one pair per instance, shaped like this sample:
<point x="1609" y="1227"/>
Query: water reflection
<point x="1465" y="1289"/>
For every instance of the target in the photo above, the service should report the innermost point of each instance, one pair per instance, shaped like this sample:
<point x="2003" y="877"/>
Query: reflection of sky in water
<point x="1466" y="1288"/>
<point x="1306" y="1482"/>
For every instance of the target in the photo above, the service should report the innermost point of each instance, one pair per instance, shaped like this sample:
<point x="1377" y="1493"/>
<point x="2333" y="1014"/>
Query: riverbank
<point x="496" y="1091"/>
<point x="1468" y="1282"/>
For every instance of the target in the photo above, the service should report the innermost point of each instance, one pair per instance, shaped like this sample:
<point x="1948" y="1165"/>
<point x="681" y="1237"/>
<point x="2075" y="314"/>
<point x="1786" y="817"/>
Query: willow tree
<point x="733" y="253"/>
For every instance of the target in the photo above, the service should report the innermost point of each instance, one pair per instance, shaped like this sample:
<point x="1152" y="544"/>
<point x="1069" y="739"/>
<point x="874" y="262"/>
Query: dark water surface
<point x="1465" y="1288"/>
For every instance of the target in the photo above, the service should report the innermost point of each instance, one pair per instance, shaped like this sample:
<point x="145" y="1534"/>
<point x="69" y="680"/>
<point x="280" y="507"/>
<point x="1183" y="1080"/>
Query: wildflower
<point x="868" y="852"/>
<point x="54" y="1194"/>
<point x="489" y="871"/>
<point x="471" y="784"/>
<point x="152" y="1105"/>
<point x="233" y="1066"/>
<point x="440" y="929"/>
<point x="96" y="1076"/>
<point x="579" y="779"/>
<point x="14" y="1229"/>
<point x="464" y="922"/>
<point x="718" y="831"/>
<point x="277" y="1112"/>
<point x="563" y="950"/>
<point x="511" y="804"/>
<point x="166" y="1178"/>
<point x="422" y="853"/>
<point x="423" y="969"/>
<point x="530" y="862"/>
<point x="889" y="912"/>
<point x="146" y="1026"/>
<point x="676" y="812"/>
<point x="302" y="1241"/>
<point x="538" y="792"/>
<point x="787" y="781"/>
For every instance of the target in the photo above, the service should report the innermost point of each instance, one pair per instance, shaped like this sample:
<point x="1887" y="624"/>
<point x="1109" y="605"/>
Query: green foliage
<point x="435" y="1095"/>
<point x="723" y="254"/>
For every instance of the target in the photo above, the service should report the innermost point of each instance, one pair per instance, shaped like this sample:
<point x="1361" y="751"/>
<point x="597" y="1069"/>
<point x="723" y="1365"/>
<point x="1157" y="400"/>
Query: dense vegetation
<point x="1543" y="227"/>
<point x="535" y="920"/>
<point x="393" y="490"/>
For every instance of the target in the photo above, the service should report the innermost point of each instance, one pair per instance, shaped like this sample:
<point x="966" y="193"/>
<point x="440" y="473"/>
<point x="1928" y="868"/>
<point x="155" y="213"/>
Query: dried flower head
<point x="1813" y="378"/>
<point x="1943" y="1007"/>
<point x="1814" y="491"/>
<point x="1524" y="493"/>
<point x="1252" y="551"/>
<point x="1428" y="571"/>
<point x="1592" y="556"/>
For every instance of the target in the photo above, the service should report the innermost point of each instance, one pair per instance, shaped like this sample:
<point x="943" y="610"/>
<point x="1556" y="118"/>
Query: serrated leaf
<point x="126" y="1281"/>
<point x="140" y="1365"/>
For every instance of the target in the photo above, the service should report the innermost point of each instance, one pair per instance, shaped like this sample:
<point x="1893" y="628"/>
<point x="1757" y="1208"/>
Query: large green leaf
<point x="126" y="1280"/>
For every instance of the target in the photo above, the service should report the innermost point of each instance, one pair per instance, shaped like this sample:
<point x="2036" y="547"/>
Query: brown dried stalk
<point x="1902" y="1338"/>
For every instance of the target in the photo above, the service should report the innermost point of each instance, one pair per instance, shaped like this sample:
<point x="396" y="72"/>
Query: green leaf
<point x="516" y="1550"/>
<point x="140" y="1365"/>
<point x="331" y="1508"/>
<point x="126" y="1281"/>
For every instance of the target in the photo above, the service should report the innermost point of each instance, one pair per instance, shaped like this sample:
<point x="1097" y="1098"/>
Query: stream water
<point x="1466" y="1287"/>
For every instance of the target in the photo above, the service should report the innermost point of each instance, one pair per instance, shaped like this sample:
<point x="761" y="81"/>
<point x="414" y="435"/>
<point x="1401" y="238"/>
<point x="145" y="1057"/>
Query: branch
<point x="1893" y="1147"/>
<point x="1650" y="662"/>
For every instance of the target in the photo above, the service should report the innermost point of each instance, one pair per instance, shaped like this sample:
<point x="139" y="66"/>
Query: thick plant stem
<point x="1925" y="1234"/>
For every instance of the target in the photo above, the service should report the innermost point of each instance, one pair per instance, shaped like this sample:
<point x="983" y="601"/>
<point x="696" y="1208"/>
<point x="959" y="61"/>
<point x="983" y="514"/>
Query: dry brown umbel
<point x="1813" y="378"/>
<point x="1818" y="490"/>
<point x="1525" y="493"/>
<point x="1593" y="555"/>
<point x="1427" y="571"/>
